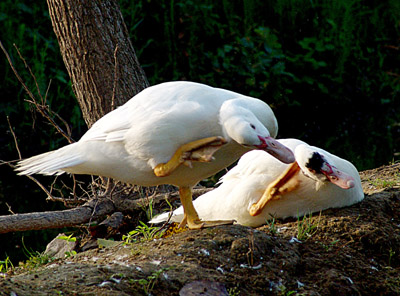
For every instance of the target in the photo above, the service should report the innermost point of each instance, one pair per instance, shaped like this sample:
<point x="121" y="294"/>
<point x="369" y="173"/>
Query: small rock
<point x="58" y="247"/>
<point x="206" y="288"/>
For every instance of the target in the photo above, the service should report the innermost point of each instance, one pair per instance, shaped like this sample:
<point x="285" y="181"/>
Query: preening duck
<point x="172" y="133"/>
<point x="259" y="187"/>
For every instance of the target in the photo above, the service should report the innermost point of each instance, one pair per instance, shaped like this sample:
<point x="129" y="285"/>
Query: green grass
<point x="233" y="291"/>
<point x="328" y="246"/>
<point x="391" y="254"/>
<point x="6" y="266"/>
<point x="271" y="226"/>
<point x="384" y="184"/>
<point x="149" y="282"/>
<point x="142" y="232"/>
<point x="35" y="258"/>
<point x="306" y="227"/>
<point x="68" y="238"/>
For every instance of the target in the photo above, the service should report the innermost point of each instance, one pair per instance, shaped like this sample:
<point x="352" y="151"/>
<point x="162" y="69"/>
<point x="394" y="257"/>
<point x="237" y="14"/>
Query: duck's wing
<point x="154" y="123"/>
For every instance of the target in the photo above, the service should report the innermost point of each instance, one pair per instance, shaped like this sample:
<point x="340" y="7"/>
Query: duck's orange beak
<point x="337" y="177"/>
<point x="276" y="149"/>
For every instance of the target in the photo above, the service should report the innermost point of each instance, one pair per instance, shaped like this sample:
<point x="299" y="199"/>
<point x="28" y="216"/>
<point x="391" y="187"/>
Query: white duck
<point x="145" y="141"/>
<point x="260" y="187"/>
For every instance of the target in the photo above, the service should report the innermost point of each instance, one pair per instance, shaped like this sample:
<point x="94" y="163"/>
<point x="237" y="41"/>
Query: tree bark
<point x="57" y="219"/>
<point x="97" y="53"/>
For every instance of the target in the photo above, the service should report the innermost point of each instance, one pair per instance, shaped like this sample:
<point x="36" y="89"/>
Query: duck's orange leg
<point x="191" y="218"/>
<point x="286" y="182"/>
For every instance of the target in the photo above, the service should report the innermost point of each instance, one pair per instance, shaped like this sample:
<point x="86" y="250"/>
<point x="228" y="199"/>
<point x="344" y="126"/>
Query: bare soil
<point x="349" y="251"/>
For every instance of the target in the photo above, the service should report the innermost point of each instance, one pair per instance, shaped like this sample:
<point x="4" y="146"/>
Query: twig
<point x="96" y="201"/>
<point x="30" y="177"/>
<point x="15" y="138"/>
<point x="165" y="223"/>
<point x="74" y="186"/>
<point x="51" y="197"/>
<point x="84" y="191"/>
<point x="15" y="71"/>
<point x="69" y="138"/>
<point x="41" y="108"/>
<point x="19" y="154"/>
<point x="30" y="72"/>
<point x="47" y="92"/>
<point x="9" y="209"/>
<point x="250" y="253"/>
<point x="41" y="186"/>
<point x="70" y="203"/>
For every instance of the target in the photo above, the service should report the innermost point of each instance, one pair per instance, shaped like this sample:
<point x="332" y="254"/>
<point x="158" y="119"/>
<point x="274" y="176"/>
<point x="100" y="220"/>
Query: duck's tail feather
<point x="50" y="163"/>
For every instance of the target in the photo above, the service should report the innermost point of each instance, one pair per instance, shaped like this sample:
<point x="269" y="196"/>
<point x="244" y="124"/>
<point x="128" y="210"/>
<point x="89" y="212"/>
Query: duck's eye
<point x="314" y="172"/>
<point x="252" y="126"/>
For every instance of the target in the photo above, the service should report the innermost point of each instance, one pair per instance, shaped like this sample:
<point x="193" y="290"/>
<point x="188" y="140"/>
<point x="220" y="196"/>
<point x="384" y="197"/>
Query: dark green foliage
<point x="28" y="26"/>
<point x="330" y="70"/>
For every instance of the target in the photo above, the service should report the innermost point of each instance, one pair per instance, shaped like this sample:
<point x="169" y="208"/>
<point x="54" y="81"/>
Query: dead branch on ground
<point x="93" y="210"/>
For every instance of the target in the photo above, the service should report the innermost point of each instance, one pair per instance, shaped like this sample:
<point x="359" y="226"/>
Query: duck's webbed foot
<point x="200" y="150"/>
<point x="285" y="183"/>
<point x="196" y="223"/>
<point x="191" y="218"/>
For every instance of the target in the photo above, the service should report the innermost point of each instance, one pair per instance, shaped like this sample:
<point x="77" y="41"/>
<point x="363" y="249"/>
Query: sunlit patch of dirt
<point x="349" y="251"/>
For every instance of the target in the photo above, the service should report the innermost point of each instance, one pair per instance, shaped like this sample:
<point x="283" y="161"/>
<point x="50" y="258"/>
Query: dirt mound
<point x="349" y="251"/>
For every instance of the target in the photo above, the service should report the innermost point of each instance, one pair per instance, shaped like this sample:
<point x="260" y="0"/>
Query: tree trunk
<point x="97" y="53"/>
<point x="105" y="73"/>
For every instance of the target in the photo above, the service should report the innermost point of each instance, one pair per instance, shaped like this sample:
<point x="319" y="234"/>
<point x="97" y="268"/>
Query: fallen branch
<point x="56" y="219"/>
<point x="92" y="210"/>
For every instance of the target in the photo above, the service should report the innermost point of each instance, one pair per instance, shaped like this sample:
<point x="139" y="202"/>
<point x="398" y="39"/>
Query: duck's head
<point x="254" y="126"/>
<point x="320" y="167"/>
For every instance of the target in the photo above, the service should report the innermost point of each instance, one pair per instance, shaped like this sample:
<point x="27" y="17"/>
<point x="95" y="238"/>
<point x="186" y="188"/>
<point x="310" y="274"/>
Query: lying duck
<point x="172" y="133"/>
<point x="260" y="187"/>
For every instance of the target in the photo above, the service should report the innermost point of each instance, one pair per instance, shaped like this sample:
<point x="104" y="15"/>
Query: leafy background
<point x="329" y="69"/>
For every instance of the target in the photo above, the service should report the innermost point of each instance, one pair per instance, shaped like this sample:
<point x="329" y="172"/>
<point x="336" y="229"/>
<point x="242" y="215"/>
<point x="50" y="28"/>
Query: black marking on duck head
<point x="315" y="162"/>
